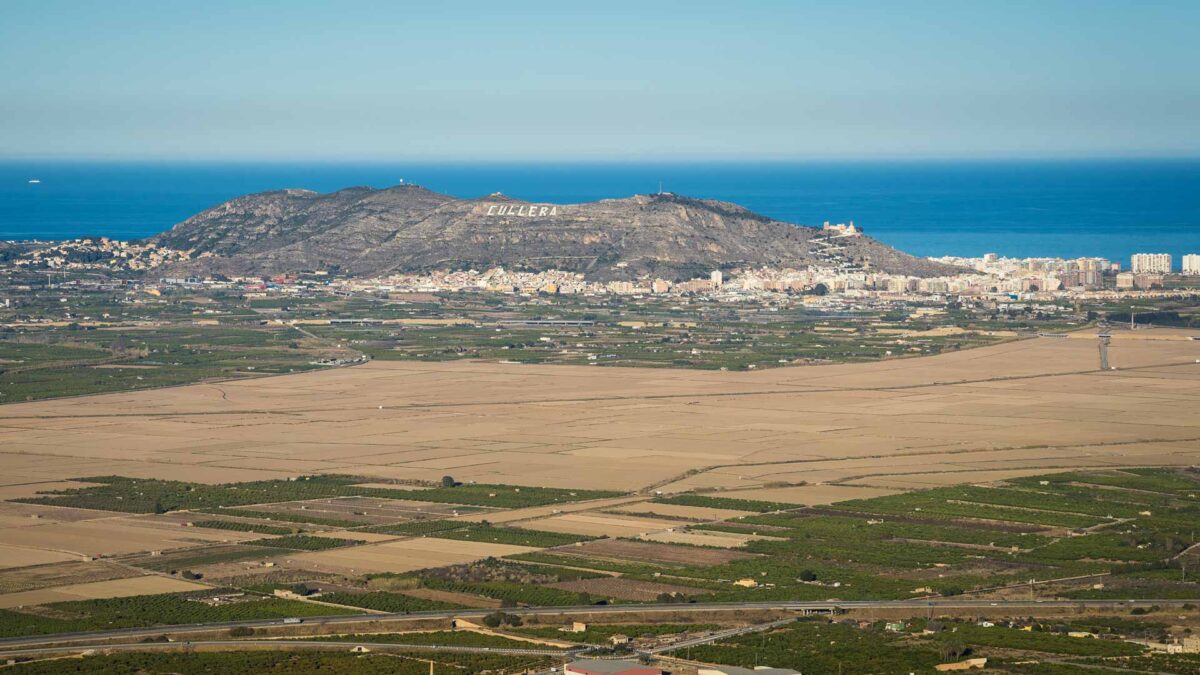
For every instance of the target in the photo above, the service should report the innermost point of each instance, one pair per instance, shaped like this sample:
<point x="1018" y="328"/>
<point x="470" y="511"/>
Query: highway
<point x="719" y="635"/>
<point x="349" y="622"/>
<point x="324" y="645"/>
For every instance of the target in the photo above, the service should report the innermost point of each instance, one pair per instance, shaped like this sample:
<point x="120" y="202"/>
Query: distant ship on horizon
<point x="34" y="181"/>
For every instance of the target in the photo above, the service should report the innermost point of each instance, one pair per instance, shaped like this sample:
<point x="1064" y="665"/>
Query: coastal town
<point x="103" y="261"/>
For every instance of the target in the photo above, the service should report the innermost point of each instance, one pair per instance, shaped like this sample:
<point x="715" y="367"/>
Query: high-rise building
<point x="1150" y="263"/>
<point x="1191" y="263"/>
<point x="717" y="279"/>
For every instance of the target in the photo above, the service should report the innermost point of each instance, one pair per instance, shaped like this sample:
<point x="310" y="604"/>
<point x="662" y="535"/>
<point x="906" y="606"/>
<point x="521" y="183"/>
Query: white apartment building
<point x="1191" y="263"/>
<point x="1150" y="263"/>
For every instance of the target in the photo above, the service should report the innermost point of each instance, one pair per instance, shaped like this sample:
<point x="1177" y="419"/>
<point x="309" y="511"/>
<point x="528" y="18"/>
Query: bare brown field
<point x="848" y="431"/>
<point x="993" y="408"/>
<point x="623" y="589"/>
<point x="649" y="552"/>
<point x="36" y="489"/>
<point x="398" y="556"/>
<point x="17" y="556"/>
<point x="704" y="538"/>
<point x="58" y="574"/>
<point x="110" y="536"/>
<point x="15" y="514"/>
<point x="603" y="525"/>
<point x="115" y="588"/>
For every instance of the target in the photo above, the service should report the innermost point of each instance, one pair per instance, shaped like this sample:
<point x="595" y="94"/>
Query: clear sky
<point x="563" y="80"/>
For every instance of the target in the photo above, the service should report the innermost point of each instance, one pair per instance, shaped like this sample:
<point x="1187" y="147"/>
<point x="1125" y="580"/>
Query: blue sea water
<point x="1016" y="208"/>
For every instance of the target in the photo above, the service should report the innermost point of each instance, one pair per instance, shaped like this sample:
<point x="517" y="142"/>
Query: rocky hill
<point x="368" y="232"/>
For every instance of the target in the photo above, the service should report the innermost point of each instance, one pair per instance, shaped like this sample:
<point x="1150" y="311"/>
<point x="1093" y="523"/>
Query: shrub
<point x="497" y="619"/>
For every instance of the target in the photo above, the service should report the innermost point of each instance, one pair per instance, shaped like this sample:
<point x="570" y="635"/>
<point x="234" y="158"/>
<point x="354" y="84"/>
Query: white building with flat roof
<point x="1150" y="263"/>
<point x="1191" y="263"/>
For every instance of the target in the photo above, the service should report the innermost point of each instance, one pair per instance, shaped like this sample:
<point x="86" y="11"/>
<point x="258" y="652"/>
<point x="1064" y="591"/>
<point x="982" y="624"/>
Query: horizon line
<point x="482" y="161"/>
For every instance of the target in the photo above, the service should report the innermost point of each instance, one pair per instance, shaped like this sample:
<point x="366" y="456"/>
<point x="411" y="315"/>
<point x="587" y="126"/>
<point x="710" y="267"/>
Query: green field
<point x="514" y="536"/>
<point x="973" y="538"/>
<point x="303" y="542"/>
<point x="599" y="635"/>
<point x="385" y="602"/>
<point x="149" y="610"/>
<point x="237" y="526"/>
<point x="192" y="335"/>
<point x="819" y="647"/>
<point x="63" y="361"/>
<point x="893" y="547"/>
<point x="292" y="663"/>
<point x="441" y="637"/>
<point x="727" y="503"/>
<point x="117" y="493"/>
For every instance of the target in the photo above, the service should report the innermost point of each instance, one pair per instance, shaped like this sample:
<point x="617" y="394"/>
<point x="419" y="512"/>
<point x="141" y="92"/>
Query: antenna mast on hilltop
<point x="660" y="191"/>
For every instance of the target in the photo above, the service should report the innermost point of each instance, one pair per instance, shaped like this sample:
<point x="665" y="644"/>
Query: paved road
<point x="325" y="645"/>
<point x="719" y="635"/>
<point x="349" y="621"/>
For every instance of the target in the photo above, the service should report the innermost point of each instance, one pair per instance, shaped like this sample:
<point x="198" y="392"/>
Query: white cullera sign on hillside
<point x="527" y="210"/>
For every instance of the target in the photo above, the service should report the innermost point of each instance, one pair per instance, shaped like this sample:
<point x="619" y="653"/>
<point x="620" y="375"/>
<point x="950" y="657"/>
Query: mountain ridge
<point x="364" y="231"/>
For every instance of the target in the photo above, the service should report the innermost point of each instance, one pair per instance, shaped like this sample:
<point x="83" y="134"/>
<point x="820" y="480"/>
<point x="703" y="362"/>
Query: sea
<point x="1107" y="208"/>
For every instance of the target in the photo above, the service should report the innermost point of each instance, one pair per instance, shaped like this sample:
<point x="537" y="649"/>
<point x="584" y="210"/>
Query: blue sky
<point x="612" y="80"/>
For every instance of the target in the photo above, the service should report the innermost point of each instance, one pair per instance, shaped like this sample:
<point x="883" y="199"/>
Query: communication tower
<point x="1105" y="337"/>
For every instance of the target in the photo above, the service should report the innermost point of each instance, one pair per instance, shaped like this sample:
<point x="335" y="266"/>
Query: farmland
<point x="300" y="542"/>
<point x="895" y="546"/>
<point x="192" y="335"/>
<point x="408" y="487"/>
<point x="147" y="610"/>
<point x="710" y="501"/>
<point x="299" y="663"/>
<point x="157" y="496"/>
<point x="817" y="646"/>
<point x="384" y="602"/>
<point x="601" y="634"/>
<point x="73" y="360"/>
<point x="650" y="553"/>
<point x="1022" y="407"/>
<point x="512" y="535"/>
